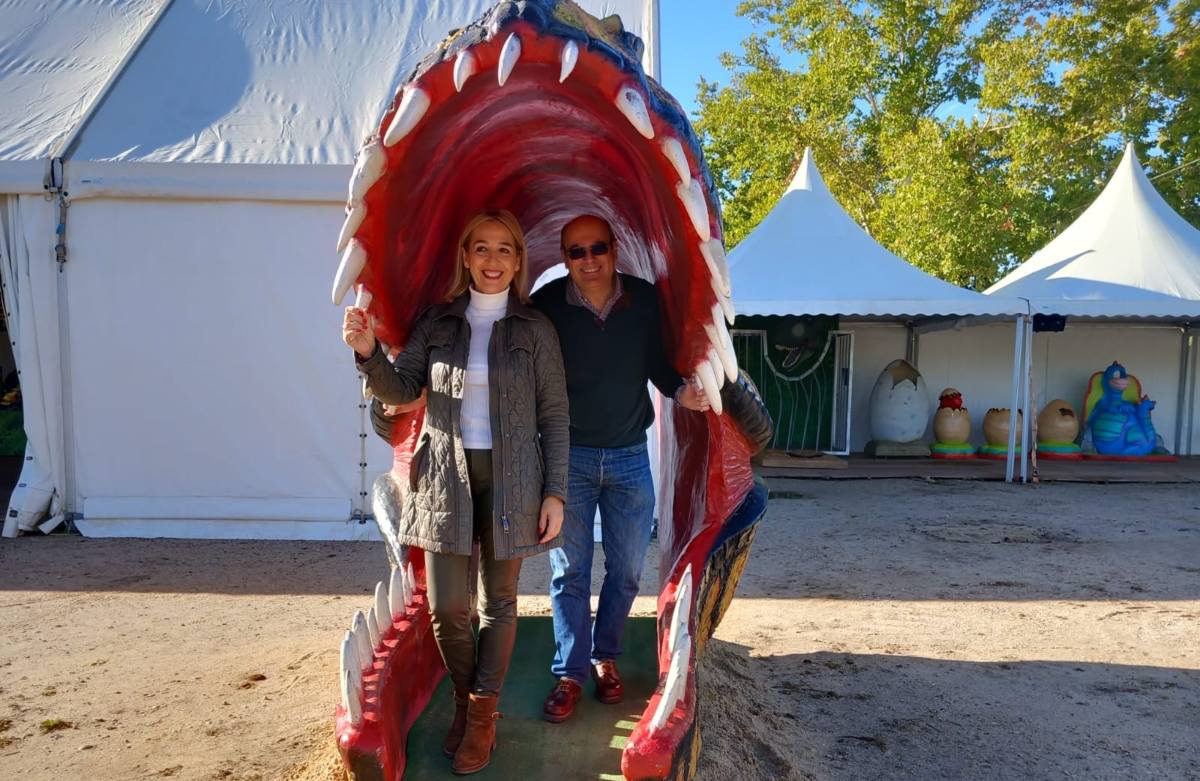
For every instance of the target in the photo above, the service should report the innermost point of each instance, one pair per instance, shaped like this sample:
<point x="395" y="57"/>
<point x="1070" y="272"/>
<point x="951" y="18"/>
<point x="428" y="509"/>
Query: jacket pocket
<point x="419" y="459"/>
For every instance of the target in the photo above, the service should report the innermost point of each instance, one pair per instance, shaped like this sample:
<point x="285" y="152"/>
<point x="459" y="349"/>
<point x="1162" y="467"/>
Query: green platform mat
<point x="588" y="746"/>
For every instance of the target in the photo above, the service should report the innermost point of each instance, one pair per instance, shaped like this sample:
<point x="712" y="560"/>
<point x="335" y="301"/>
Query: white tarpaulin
<point x="1129" y="255"/>
<point x="204" y="383"/>
<point x="808" y="257"/>
<point x="32" y="319"/>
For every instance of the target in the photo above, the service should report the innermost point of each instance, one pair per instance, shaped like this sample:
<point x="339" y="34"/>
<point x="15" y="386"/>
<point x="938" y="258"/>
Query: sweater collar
<point x="516" y="307"/>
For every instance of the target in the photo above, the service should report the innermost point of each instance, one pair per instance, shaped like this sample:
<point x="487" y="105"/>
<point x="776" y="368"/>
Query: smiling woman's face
<point x="491" y="257"/>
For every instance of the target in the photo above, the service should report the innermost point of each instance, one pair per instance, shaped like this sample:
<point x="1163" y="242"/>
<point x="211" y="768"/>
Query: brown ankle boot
<point x="459" y="725"/>
<point x="475" y="751"/>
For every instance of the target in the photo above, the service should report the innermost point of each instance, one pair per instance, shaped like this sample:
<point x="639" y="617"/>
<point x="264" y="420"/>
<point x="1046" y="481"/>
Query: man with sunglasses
<point x="609" y="328"/>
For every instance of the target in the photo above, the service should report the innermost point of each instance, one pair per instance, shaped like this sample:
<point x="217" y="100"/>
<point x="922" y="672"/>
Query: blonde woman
<point x="491" y="463"/>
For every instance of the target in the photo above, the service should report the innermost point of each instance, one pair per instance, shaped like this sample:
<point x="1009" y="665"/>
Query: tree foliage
<point x="962" y="134"/>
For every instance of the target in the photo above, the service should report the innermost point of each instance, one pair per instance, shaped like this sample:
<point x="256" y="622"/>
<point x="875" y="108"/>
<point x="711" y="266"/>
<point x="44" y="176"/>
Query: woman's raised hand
<point x="358" y="331"/>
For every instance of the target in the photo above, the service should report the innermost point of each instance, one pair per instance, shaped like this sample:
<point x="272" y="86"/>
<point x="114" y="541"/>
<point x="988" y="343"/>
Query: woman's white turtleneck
<point x="482" y="313"/>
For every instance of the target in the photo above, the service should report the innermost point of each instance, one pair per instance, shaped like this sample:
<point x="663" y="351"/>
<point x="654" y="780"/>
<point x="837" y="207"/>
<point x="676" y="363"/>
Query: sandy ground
<point x="884" y="630"/>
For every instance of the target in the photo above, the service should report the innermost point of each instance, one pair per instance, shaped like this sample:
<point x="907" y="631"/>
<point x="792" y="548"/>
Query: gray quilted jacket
<point x="530" y="426"/>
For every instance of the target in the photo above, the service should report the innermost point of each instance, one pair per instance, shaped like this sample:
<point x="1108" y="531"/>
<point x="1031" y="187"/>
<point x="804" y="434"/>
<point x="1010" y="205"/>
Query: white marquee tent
<point x="809" y="257"/>
<point x="180" y="366"/>
<point x="1126" y="273"/>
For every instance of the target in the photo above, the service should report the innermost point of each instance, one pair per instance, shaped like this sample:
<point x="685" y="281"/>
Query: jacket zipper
<point x="500" y="420"/>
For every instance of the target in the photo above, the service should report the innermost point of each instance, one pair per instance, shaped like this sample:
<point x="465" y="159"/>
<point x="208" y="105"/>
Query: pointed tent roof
<point x="808" y="257"/>
<point x="1128" y="255"/>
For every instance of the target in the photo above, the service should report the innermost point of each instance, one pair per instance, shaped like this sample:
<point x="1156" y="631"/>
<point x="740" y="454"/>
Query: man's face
<point x="590" y="238"/>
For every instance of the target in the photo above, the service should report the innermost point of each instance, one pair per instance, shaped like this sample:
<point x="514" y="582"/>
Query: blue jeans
<point x="618" y="481"/>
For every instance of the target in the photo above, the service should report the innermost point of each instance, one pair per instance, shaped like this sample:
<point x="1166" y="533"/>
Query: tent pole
<point x="912" y="346"/>
<point x="1191" y="404"/>
<point x="1185" y="353"/>
<point x="359" y="510"/>
<point x="1018" y="339"/>
<point x="1027" y="446"/>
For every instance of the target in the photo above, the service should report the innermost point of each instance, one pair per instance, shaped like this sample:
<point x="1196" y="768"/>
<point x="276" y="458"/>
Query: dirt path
<point x="885" y="629"/>
<point x="964" y="631"/>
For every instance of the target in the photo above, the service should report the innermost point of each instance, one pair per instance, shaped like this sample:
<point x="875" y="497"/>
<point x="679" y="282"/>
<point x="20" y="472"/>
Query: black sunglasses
<point x="597" y="249"/>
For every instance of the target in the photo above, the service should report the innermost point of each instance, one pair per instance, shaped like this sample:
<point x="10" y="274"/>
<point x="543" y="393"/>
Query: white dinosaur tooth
<point x="508" y="58"/>
<point x="353" y="704"/>
<point x="351" y="671"/>
<point x="630" y="103"/>
<point x="708" y="381"/>
<point x="368" y="167"/>
<point x="362" y="639"/>
<point x="692" y="197"/>
<point x="354" y="260"/>
<point x="569" y="57"/>
<point x="675" y="685"/>
<point x="373" y="629"/>
<point x="673" y="151"/>
<point x="396" y="591"/>
<point x="383" y="613"/>
<point x="465" y="66"/>
<point x="363" y="298"/>
<point x="717" y="288"/>
<point x="354" y="220"/>
<point x="714" y="360"/>
<point x="718" y="335"/>
<point x="718" y="264"/>
<point x="412" y="582"/>
<point x="683" y="609"/>
<point x="410" y="586"/>
<point x="727" y="309"/>
<point x="349" y="655"/>
<point x="413" y="106"/>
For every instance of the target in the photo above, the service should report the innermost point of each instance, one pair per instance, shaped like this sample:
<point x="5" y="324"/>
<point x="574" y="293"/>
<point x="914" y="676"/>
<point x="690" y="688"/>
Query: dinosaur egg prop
<point x="951" y="425"/>
<point x="1057" y="423"/>
<point x="995" y="426"/>
<point x="899" y="404"/>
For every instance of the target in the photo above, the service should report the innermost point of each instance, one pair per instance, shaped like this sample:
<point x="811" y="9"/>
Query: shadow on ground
<point x="854" y="716"/>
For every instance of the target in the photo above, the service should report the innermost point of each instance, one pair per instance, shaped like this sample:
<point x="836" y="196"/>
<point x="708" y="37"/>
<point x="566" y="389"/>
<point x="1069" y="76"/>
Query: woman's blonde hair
<point x="462" y="277"/>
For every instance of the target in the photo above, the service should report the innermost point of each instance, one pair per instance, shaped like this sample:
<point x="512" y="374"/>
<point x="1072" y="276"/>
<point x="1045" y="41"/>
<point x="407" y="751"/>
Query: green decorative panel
<point x="793" y="361"/>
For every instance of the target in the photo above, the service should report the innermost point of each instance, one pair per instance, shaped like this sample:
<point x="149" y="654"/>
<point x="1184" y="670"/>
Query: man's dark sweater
<point x="608" y="363"/>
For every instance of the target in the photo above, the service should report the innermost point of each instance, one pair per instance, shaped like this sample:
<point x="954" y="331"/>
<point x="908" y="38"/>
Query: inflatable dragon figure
<point x="1119" y="416"/>
<point x="544" y="110"/>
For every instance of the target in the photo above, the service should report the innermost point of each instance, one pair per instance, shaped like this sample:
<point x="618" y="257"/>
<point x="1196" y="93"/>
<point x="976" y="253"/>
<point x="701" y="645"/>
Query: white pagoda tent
<point x="1126" y="274"/>
<point x="809" y="257"/>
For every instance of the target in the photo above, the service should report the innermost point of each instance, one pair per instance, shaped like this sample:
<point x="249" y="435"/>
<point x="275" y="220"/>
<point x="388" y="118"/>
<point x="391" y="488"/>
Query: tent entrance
<point x="802" y="367"/>
<point x="12" y="417"/>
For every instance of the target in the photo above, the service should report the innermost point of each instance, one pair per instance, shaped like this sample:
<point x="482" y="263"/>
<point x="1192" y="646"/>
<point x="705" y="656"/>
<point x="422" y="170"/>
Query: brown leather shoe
<point x="475" y="751"/>
<point x="609" y="689"/>
<point x="561" y="702"/>
<point x="459" y="725"/>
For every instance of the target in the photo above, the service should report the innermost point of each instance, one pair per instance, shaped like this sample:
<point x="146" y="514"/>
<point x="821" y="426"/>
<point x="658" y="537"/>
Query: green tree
<point x="962" y="134"/>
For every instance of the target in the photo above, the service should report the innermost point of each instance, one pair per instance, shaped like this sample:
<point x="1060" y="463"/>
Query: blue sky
<point x="693" y="35"/>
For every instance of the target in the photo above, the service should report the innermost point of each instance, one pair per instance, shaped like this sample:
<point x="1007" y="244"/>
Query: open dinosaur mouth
<point x="543" y="110"/>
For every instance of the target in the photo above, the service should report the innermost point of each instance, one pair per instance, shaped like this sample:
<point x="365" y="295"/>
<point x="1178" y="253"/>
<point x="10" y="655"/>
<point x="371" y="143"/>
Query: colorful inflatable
<point x="543" y="110"/>
<point x="1117" y="415"/>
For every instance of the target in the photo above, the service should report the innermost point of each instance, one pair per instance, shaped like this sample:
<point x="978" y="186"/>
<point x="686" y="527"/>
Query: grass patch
<point x="54" y="725"/>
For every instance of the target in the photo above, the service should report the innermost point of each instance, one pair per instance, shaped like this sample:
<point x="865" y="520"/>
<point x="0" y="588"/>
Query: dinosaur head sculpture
<point x="545" y="111"/>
